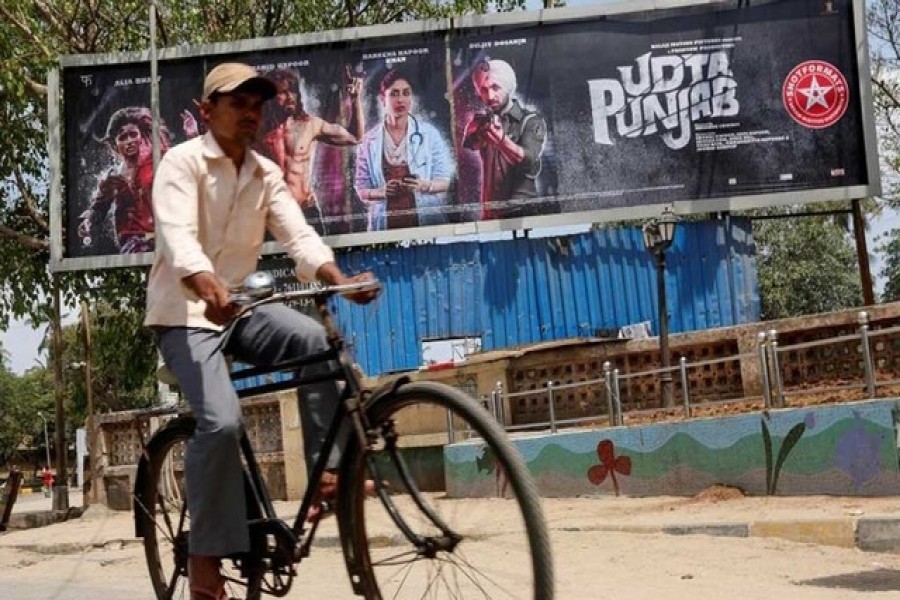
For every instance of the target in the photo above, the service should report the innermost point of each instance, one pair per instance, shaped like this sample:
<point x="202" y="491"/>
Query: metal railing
<point x="769" y="355"/>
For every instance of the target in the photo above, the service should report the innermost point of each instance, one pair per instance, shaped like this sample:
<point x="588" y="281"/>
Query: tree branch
<point x="23" y="27"/>
<point x="30" y="202"/>
<point x="23" y="239"/>
<point x="61" y="29"/>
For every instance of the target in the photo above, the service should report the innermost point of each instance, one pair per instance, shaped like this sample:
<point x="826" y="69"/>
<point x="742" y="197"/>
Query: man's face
<point x="398" y="98"/>
<point x="128" y="141"/>
<point x="287" y="97"/>
<point x="490" y="92"/>
<point x="234" y="118"/>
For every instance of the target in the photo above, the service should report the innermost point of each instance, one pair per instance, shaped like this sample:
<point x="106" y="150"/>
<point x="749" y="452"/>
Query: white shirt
<point x="211" y="218"/>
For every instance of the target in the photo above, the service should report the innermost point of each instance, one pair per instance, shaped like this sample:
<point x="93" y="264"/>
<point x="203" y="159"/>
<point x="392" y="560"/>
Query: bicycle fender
<point x="387" y="388"/>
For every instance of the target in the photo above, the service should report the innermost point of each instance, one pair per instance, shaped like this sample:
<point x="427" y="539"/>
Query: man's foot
<point x="323" y="502"/>
<point x="206" y="581"/>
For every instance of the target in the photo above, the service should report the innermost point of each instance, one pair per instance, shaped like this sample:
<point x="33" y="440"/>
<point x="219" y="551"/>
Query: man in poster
<point x="510" y="140"/>
<point x="290" y="135"/>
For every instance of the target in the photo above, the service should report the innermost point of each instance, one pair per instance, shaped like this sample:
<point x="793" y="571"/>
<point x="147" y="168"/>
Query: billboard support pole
<point x="862" y="254"/>
<point x="61" y="488"/>
<point x="154" y="85"/>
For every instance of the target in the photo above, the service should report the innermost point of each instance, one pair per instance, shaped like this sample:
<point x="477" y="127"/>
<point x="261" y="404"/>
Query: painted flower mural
<point x="857" y="453"/>
<point x="610" y="464"/>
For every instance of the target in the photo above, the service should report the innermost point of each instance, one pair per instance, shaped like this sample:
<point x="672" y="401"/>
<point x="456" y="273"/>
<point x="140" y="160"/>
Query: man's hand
<point x="364" y="296"/>
<point x="189" y="125"/>
<point x="332" y="275"/>
<point x="353" y="85"/>
<point x="208" y="287"/>
<point x="493" y="130"/>
<point x="113" y="186"/>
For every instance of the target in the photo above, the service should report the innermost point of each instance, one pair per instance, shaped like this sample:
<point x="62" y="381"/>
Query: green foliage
<point x="890" y="248"/>
<point x="806" y="265"/>
<point x="33" y="36"/>
<point x="22" y="398"/>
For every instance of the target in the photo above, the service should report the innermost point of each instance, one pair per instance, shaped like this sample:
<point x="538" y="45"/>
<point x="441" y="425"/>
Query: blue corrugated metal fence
<point x="522" y="291"/>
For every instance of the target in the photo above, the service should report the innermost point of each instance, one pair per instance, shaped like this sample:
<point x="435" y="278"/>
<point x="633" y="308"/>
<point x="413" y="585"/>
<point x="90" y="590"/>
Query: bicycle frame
<point x="297" y="539"/>
<point x="351" y="400"/>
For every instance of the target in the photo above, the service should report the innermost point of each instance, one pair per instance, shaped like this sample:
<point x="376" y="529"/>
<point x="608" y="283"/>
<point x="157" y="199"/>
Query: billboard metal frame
<point x="530" y="18"/>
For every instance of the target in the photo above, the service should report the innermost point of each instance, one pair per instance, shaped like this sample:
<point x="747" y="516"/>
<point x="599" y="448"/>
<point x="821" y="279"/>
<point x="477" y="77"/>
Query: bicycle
<point x="398" y="544"/>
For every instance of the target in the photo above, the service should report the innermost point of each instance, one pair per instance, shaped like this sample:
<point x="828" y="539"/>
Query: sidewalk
<point x="866" y="523"/>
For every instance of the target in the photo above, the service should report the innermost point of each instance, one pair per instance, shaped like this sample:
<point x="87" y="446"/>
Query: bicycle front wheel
<point x="421" y="540"/>
<point x="163" y="517"/>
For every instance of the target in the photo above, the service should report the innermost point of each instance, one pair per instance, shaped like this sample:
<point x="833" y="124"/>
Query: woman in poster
<point x="126" y="187"/>
<point x="403" y="167"/>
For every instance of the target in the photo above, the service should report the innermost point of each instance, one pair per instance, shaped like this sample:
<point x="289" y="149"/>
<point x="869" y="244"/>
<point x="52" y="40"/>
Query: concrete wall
<point x="848" y="450"/>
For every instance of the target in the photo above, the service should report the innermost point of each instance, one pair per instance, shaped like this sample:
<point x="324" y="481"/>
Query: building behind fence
<point x="842" y="356"/>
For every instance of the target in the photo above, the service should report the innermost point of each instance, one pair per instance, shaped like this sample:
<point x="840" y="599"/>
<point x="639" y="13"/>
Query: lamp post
<point x="658" y="235"/>
<point x="46" y="438"/>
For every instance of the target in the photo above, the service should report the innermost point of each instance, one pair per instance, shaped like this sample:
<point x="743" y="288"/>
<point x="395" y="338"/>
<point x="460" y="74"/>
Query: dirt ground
<point x="592" y="560"/>
<point x="818" y="396"/>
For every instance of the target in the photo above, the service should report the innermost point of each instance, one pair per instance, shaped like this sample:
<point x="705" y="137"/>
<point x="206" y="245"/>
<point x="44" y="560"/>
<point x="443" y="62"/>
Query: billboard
<point x="507" y="121"/>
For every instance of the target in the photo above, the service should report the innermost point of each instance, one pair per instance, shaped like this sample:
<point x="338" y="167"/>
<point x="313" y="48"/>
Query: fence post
<point x="607" y="381"/>
<point x="867" y="353"/>
<point x="776" y="368"/>
<point x="550" y="405"/>
<point x="451" y="432"/>
<point x="685" y="393"/>
<point x="500" y="410"/>
<point x="620" y="419"/>
<point x="764" y="369"/>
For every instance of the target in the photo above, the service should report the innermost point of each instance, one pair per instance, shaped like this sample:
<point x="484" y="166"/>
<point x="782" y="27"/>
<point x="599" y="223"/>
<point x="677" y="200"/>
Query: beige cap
<point x="228" y="77"/>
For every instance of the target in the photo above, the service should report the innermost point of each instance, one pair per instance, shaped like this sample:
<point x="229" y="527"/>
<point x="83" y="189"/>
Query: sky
<point x="21" y="341"/>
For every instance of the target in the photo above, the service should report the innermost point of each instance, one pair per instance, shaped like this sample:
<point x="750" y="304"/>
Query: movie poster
<point x="311" y="129"/>
<point x="109" y="153"/>
<point x="505" y="139"/>
<point x="405" y="133"/>
<point x="404" y="173"/>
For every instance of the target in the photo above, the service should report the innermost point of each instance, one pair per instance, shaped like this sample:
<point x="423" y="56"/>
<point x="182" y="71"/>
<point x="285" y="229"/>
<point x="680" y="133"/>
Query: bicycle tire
<point x="166" y="539"/>
<point x="379" y="564"/>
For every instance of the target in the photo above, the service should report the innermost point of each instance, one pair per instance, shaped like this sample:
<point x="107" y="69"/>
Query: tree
<point x="21" y="399"/>
<point x="884" y="33"/>
<point x="33" y="35"/>
<point x="806" y="265"/>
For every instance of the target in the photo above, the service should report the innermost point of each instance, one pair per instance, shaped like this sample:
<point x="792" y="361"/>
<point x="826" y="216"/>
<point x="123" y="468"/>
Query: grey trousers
<point x="215" y="490"/>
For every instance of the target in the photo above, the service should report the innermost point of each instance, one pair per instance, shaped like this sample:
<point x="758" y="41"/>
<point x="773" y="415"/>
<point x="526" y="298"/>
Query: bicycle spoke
<point x="458" y="541"/>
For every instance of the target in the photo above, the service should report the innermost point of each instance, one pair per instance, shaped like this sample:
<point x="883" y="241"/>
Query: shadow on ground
<point x="881" y="580"/>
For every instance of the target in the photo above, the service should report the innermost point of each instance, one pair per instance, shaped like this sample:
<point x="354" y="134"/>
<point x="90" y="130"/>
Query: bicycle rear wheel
<point x="495" y="547"/>
<point x="161" y="513"/>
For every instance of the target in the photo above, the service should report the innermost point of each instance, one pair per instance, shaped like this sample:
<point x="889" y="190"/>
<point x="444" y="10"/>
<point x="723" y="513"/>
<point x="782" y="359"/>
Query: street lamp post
<point x="46" y="438"/>
<point x="658" y="235"/>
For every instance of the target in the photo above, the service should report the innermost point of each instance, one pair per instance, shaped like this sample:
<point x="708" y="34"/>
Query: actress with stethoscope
<point x="403" y="166"/>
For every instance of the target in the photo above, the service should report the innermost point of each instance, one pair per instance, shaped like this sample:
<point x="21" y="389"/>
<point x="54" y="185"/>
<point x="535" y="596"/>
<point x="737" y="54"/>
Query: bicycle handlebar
<point x="248" y="301"/>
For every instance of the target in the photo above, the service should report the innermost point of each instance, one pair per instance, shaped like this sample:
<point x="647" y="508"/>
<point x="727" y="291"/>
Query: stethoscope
<point x="416" y="134"/>
<point x="416" y="139"/>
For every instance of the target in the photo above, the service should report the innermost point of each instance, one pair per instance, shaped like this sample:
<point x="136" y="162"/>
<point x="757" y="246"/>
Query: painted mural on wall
<point x="848" y="449"/>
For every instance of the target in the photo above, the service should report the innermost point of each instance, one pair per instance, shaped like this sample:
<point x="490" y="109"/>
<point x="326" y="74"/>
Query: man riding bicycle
<point x="213" y="200"/>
